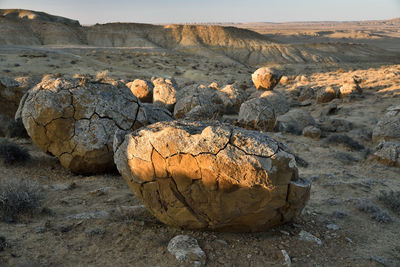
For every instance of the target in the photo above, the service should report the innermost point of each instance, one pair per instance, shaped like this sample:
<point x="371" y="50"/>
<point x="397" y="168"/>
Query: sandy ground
<point x="83" y="222"/>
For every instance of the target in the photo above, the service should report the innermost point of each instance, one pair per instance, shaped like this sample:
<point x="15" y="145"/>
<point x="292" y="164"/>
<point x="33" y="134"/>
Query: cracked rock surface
<point x="75" y="120"/>
<point x="257" y="114"/>
<point x="388" y="128"/>
<point x="211" y="176"/>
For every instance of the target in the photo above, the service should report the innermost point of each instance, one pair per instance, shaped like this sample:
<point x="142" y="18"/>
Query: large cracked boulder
<point x="75" y="120"/>
<point x="211" y="176"/>
<point x="388" y="128"/>
<point x="257" y="114"/>
<point x="266" y="78"/>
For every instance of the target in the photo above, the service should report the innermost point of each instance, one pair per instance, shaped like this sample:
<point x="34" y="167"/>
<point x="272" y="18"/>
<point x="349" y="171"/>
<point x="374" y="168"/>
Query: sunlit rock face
<point x="211" y="176"/>
<point x="266" y="78"/>
<point x="75" y="120"/>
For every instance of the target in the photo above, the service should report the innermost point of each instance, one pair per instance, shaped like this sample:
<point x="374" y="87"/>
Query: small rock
<point x="312" y="132"/>
<point x="187" y="251"/>
<point x="90" y="215"/>
<point x="142" y="89"/>
<point x="100" y="191"/>
<point x="164" y="93"/>
<point x="95" y="231"/>
<point x="222" y="242"/>
<point x="333" y="226"/>
<point x="306" y="236"/>
<point x="388" y="153"/>
<point x="286" y="258"/>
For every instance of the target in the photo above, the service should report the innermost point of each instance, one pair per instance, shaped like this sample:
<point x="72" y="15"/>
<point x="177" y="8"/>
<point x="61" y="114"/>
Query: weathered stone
<point x="284" y="80"/>
<point x="388" y="153"/>
<point x="312" y="132"/>
<point x="278" y="100"/>
<point x="75" y="120"/>
<point x="187" y="251"/>
<point x="142" y="89"/>
<point x="156" y="113"/>
<point x="326" y="94"/>
<point x="294" y="121"/>
<point x="197" y="102"/>
<point x="232" y="98"/>
<point x="349" y="89"/>
<point x="10" y="94"/>
<point x="266" y="78"/>
<point x="306" y="236"/>
<point x="211" y="176"/>
<point x="258" y="114"/>
<point x="306" y="93"/>
<point x="388" y="128"/>
<point x="164" y="93"/>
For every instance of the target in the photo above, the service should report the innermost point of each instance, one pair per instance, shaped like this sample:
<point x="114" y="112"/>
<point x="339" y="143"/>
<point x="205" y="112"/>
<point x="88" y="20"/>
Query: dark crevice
<point x="182" y="199"/>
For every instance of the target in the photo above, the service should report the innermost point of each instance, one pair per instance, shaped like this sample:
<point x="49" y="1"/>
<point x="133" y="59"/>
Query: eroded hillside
<point x="23" y="27"/>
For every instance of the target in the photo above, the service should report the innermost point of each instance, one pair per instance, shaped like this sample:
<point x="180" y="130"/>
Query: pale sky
<point x="180" y="11"/>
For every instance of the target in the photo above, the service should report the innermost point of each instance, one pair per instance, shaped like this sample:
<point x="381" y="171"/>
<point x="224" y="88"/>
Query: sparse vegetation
<point x="18" y="196"/>
<point x="342" y="139"/>
<point x="391" y="199"/>
<point x="12" y="153"/>
<point x="16" y="129"/>
<point x="378" y="214"/>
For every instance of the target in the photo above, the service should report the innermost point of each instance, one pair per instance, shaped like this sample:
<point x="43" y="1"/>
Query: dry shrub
<point x="12" y="153"/>
<point x="18" y="196"/>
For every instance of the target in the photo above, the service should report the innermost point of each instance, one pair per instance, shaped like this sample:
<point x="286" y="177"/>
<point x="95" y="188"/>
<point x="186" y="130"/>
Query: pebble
<point x="306" y="236"/>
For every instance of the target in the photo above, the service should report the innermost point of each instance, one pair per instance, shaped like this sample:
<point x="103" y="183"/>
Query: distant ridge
<point x="26" y="27"/>
<point x="35" y="15"/>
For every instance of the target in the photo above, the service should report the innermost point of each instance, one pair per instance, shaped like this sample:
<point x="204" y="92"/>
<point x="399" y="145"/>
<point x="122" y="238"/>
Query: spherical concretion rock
<point x="211" y="176"/>
<point x="294" y="121"/>
<point x="326" y="94"/>
<point x="257" y="114"/>
<point x="388" y="128"/>
<point x="164" y="92"/>
<point x="266" y="78"/>
<point x="232" y="98"/>
<point x="142" y="89"/>
<point x="278" y="101"/>
<point x="75" y="120"/>
<point x="197" y="102"/>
